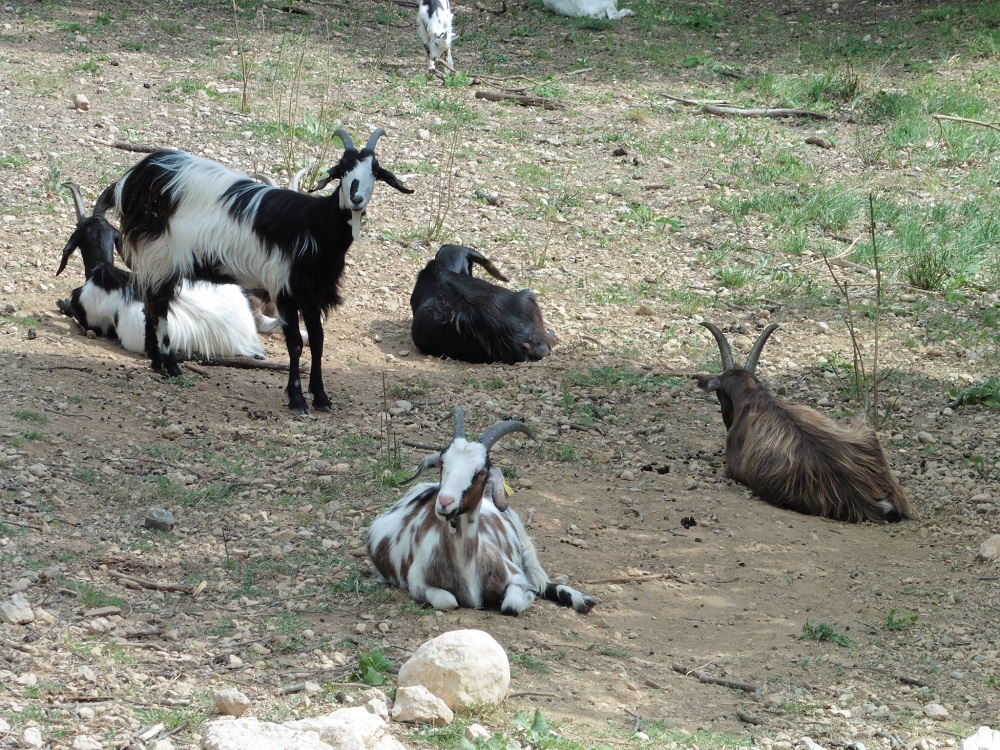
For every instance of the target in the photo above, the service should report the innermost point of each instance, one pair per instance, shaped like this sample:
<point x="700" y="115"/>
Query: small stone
<point x="17" y="610"/>
<point x="32" y="737"/>
<point x="160" y="519"/>
<point x="418" y="705"/>
<point x="86" y="742"/>
<point x="990" y="549"/>
<point x="81" y="102"/>
<point x="231" y="702"/>
<point x="935" y="711"/>
<point x="925" y="438"/>
<point x="475" y="732"/>
<point x="822" y="327"/>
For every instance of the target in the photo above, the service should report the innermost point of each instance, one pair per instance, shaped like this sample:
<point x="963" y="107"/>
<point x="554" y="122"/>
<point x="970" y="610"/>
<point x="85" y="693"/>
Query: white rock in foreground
<point x="231" y="702"/>
<point x="352" y="728"/>
<point x="17" y="610"/>
<point x="462" y="667"/>
<point x="984" y="739"/>
<point x="418" y="705"/>
<point x="250" y="734"/>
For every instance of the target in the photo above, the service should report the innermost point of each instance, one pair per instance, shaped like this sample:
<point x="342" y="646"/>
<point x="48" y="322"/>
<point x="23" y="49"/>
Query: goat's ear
<point x="334" y="173"/>
<point x="708" y="383"/>
<point x="68" y="251"/>
<point x="496" y="487"/>
<point x="390" y="179"/>
<point x="487" y="264"/>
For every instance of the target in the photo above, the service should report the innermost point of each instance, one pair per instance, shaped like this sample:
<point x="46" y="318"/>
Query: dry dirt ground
<point x="272" y="508"/>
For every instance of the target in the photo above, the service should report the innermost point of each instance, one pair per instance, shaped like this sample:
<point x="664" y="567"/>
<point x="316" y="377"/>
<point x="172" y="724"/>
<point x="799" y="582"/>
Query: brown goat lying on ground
<point x="796" y="458"/>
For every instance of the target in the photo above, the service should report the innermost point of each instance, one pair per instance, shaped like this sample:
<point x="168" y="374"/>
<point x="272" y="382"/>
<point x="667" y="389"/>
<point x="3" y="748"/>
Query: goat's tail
<point x="568" y="597"/>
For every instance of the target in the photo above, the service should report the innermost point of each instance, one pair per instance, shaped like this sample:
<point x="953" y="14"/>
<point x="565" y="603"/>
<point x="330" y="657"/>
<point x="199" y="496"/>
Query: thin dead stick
<point x="632" y="579"/>
<point x="21" y="523"/>
<point x="524" y="101"/>
<point x="421" y="446"/>
<point x="154" y="585"/>
<point x="692" y="102"/>
<point x="746" y="687"/>
<point x="67" y="414"/>
<point x="748" y="718"/>
<point x="140" y="148"/>
<point x="712" y="109"/>
<point x="952" y="118"/>
<point x="638" y="720"/>
<point x="63" y="367"/>
<point x="533" y="694"/>
<point x="246" y="363"/>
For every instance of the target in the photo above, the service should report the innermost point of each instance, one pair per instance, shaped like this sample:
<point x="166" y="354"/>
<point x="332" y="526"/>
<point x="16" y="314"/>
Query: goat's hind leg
<point x="289" y="315"/>
<point x="314" y="329"/>
<point x="569" y="597"/>
<point x="157" y="306"/>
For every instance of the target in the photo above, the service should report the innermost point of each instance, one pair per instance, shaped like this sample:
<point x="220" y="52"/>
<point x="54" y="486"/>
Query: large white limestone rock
<point x="250" y="734"/>
<point x="353" y="728"/>
<point x="462" y="667"/>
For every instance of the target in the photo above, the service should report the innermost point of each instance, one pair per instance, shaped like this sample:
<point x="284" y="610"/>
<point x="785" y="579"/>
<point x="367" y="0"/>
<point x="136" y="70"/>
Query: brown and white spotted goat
<point x="457" y="543"/>
<point x="796" y="458"/>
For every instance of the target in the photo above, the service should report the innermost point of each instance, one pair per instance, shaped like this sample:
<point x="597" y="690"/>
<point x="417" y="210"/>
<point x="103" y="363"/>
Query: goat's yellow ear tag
<point x="508" y="489"/>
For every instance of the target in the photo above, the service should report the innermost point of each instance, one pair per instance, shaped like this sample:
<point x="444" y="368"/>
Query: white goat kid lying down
<point x="588" y="8"/>
<point x="456" y="543"/>
<point x="206" y="320"/>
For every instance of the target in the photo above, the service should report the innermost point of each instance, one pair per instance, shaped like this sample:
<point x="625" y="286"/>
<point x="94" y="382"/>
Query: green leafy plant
<point x="901" y="622"/>
<point x="823" y="631"/>
<point x="986" y="393"/>
<point x="372" y="667"/>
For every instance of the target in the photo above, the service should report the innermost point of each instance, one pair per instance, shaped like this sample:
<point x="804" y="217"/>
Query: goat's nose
<point x="445" y="501"/>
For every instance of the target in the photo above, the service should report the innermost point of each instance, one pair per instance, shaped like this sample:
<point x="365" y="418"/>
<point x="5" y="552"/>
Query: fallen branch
<point x="952" y="118"/>
<point x="746" y="687"/>
<point x="140" y="148"/>
<point x="133" y="582"/>
<point x="521" y="99"/>
<point x="748" y="718"/>
<point x="633" y="579"/>
<point x="21" y="523"/>
<point x="63" y="367"/>
<point x="247" y="363"/>
<point x="533" y="694"/>
<point x="692" y="102"/>
<point x="713" y="109"/>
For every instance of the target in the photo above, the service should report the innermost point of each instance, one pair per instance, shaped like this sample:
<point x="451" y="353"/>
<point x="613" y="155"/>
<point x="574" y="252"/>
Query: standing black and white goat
<point x="186" y="217"/>
<point x="434" y="26"/>
<point x="459" y="316"/>
<point x="206" y="320"/>
<point x="456" y="543"/>
<point x="796" y="458"/>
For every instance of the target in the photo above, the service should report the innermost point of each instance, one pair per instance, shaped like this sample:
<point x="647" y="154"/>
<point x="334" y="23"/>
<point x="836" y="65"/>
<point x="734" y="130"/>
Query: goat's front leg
<point x="157" y="306"/>
<point x="314" y="328"/>
<point x="517" y="598"/>
<point x="438" y="598"/>
<point x="289" y="314"/>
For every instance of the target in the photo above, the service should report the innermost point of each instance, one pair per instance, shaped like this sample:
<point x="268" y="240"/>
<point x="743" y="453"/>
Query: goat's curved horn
<point x="370" y="146"/>
<point x="500" y="429"/>
<point x="434" y="459"/>
<point x="81" y="212"/>
<point x="724" y="348"/>
<point x="345" y="138"/>
<point x="758" y="347"/>
<point x="459" y="422"/>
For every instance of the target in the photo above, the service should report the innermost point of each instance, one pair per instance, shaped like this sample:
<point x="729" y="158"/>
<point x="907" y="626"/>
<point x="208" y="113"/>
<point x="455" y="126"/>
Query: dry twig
<point x="133" y="582"/>
<point x="521" y="99"/>
<point x="952" y="118"/>
<point x="713" y="109"/>
<point x="746" y="687"/>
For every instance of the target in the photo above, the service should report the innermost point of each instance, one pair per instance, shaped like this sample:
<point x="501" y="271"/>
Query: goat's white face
<point x="459" y="464"/>
<point x="439" y="45"/>
<point x="357" y="185"/>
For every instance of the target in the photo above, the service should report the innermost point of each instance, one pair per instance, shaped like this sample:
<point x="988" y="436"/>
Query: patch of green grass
<point x="91" y="596"/>
<point x="13" y="161"/>
<point x="36" y="435"/>
<point x="824" y="632"/>
<point x="900" y="622"/>
<point x="138" y="45"/>
<point x="167" y="26"/>
<point x="604" y="649"/>
<point x="26" y="415"/>
<point x="609" y="376"/>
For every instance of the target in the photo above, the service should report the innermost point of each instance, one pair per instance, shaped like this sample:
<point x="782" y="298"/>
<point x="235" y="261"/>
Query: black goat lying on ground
<point x="456" y="315"/>
<point x="795" y="457"/>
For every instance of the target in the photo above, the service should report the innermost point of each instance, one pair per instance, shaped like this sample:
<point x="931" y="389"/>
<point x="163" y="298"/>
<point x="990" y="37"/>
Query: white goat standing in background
<point x="434" y="26"/>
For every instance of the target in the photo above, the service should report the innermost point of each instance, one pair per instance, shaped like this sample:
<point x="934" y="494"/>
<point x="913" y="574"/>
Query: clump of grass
<point x="901" y="622"/>
<point x="823" y="631"/>
<point x="373" y="666"/>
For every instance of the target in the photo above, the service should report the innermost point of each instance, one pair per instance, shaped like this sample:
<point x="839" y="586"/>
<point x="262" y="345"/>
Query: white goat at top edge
<point x="588" y="8"/>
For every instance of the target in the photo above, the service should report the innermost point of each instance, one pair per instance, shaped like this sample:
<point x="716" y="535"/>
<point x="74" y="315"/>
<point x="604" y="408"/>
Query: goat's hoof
<point x="323" y="403"/>
<point x="302" y="408"/>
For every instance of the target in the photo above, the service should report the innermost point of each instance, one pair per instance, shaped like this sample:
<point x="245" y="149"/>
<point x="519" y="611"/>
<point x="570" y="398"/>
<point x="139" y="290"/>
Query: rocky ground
<point x="885" y="636"/>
